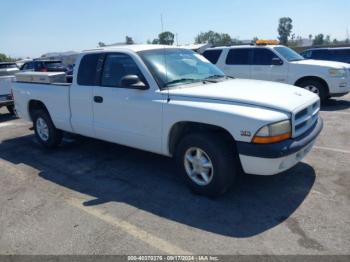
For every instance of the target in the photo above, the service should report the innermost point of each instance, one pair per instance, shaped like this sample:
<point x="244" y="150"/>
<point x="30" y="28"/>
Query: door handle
<point x="98" y="99"/>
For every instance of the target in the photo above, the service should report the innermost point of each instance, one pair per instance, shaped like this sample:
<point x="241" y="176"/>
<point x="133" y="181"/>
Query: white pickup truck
<point x="174" y="102"/>
<point x="281" y="64"/>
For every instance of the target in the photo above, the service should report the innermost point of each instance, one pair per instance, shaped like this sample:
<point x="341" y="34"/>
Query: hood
<point x="266" y="94"/>
<point x="331" y="64"/>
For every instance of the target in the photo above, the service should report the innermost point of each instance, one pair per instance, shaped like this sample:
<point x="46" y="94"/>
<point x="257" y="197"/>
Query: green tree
<point x="319" y="39"/>
<point x="5" y="58"/>
<point x="284" y="29"/>
<point x="155" y="41"/>
<point x="225" y="39"/>
<point x="213" y="38"/>
<point x="327" y="41"/>
<point x="166" y="38"/>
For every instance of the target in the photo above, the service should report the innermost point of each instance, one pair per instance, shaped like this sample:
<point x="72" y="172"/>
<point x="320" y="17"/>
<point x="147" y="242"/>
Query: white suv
<point x="282" y="64"/>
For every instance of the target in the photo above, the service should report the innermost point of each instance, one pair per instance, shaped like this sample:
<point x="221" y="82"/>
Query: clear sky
<point x="34" y="27"/>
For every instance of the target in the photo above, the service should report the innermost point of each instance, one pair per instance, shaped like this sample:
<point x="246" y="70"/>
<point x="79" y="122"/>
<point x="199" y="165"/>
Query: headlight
<point x="273" y="133"/>
<point x="337" y="72"/>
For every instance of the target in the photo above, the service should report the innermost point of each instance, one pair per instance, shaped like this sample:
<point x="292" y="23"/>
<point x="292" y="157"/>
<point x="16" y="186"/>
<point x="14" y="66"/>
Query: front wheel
<point x="45" y="131"/>
<point x="208" y="163"/>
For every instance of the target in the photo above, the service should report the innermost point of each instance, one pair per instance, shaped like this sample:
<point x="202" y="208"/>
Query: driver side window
<point x="116" y="66"/>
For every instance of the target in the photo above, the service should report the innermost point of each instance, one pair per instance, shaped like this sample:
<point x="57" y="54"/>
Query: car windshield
<point x="53" y="64"/>
<point x="288" y="54"/>
<point x="174" y="66"/>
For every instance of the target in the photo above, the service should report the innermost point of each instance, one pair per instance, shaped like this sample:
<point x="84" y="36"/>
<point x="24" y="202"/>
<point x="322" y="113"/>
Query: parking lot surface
<point x="93" y="197"/>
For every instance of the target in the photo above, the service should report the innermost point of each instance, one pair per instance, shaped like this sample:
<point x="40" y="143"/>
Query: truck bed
<point x="55" y="96"/>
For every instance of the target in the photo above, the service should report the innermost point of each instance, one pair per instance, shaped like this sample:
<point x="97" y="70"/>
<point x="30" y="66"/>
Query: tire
<point x="49" y="137"/>
<point x="225" y="163"/>
<point x="316" y="87"/>
<point x="11" y="109"/>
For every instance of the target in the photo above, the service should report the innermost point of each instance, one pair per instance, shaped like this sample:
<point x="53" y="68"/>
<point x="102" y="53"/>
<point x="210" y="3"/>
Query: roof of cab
<point x="133" y="48"/>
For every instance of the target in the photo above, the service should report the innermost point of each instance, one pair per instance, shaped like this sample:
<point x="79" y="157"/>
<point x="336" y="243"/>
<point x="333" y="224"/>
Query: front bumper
<point x="339" y="86"/>
<point x="271" y="159"/>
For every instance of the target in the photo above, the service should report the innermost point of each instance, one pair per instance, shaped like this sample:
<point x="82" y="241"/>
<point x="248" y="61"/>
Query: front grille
<point x="305" y="118"/>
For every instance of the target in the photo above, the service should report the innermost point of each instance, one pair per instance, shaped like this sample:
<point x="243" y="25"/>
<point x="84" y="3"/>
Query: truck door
<point x="238" y="63"/>
<point x="126" y="116"/>
<point x="81" y="94"/>
<point x="264" y="69"/>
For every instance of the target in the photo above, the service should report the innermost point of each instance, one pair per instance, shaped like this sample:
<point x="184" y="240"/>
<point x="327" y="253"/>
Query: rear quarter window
<point x="212" y="55"/>
<point x="87" y="73"/>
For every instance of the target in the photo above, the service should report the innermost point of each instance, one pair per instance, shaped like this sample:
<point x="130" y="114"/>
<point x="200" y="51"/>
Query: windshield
<point x="53" y="64"/>
<point x="172" y="67"/>
<point x="288" y="54"/>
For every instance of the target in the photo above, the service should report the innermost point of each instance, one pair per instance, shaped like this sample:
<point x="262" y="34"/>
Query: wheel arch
<point x="35" y="105"/>
<point x="316" y="78"/>
<point x="180" y="129"/>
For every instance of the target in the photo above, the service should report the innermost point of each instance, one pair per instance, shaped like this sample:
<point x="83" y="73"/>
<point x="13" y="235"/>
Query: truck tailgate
<point x="6" y="84"/>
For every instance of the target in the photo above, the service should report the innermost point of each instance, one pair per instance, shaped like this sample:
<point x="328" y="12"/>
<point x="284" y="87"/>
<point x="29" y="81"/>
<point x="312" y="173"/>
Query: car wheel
<point x="316" y="87"/>
<point x="208" y="163"/>
<point x="45" y="131"/>
<point x="11" y="109"/>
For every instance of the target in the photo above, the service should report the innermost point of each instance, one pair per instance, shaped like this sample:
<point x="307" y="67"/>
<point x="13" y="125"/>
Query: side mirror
<point x="133" y="81"/>
<point x="277" y="61"/>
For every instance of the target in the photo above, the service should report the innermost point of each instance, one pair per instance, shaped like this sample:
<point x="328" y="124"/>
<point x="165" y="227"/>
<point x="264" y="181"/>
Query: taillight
<point x="43" y="70"/>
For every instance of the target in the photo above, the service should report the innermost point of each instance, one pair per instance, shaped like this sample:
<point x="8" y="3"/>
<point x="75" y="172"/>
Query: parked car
<point x="44" y="66"/>
<point x="340" y="54"/>
<point x="8" y="68"/>
<point x="173" y="102"/>
<point x="48" y="66"/>
<point x="6" y="98"/>
<point x="281" y="64"/>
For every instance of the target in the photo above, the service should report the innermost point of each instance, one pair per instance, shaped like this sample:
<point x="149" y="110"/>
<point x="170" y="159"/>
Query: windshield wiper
<point x="176" y="81"/>
<point x="217" y="77"/>
<point x="297" y="59"/>
<point x="214" y="77"/>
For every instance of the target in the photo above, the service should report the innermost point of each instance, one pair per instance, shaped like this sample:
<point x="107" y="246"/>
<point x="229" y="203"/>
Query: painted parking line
<point x="130" y="229"/>
<point x="333" y="149"/>
<point x="5" y="124"/>
<point x="335" y="112"/>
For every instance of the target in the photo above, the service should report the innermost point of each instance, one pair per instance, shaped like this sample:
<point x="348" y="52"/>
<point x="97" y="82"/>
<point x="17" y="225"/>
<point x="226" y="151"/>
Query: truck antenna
<point x="165" y="61"/>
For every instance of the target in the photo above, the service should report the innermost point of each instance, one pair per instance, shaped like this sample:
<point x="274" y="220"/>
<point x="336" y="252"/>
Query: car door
<point x="81" y="93"/>
<point x="264" y="69"/>
<point x="126" y="116"/>
<point x="238" y="63"/>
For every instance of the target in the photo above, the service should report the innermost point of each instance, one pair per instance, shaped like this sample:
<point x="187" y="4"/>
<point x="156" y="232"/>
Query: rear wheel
<point x="45" y="131"/>
<point x="208" y="163"/>
<point x="316" y="87"/>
